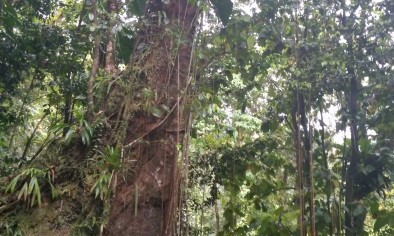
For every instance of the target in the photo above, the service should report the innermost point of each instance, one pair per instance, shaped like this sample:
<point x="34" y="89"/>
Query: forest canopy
<point x="196" y="117"/>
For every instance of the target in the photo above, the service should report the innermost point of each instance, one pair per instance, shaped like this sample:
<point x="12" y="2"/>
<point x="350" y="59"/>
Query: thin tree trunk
<point x="32" y="136"/>
<point x="351" y="171"/>
<point x="95" y="64"/>
<point x="110" y="48"/>
<point x="21" y="112"/>
<point x="311" y="184"/>
<point x="217" y="218"/>
<point x="325" y="161"/>
<point x="299" y="162"/>
<point x="68" y="111"/>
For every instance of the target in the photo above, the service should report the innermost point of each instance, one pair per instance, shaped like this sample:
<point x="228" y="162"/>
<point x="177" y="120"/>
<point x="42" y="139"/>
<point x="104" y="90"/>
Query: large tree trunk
<point x="153" y="118"/>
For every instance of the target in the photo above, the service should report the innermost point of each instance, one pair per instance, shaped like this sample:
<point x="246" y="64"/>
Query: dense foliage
<point x="292" y="105"/>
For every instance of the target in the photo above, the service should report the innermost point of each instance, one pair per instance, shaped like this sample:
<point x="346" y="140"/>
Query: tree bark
<point x="147" y="193"/>
<point x="296" y="121"/>
<point x="110" y="47"/>
<point x="95" y="64"/>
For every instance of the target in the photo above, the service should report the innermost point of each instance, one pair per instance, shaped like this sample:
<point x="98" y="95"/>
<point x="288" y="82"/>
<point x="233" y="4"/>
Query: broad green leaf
<point x="251" y="41"/>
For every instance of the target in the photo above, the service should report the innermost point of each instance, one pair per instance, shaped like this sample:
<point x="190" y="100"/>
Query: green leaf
<point x="97" y="192"/>
<point x="250" y="41"/>
<point x="91" y="16"/>
<point x="379" y="223"/>
<point x="23" y="192"/>
<point x="156" y="112"/>
<point x="11" y="186"/>
<point x="33" y="181"/>
<point x="89" y="129"/>
<point x="69" y="135"/>
<point x="374" y="205"/>
<point x="53" y="191"/>
<point x="165" y="108"/>
<point x="337" y="176"/>
<point x="36" y="193"/>
<point x="148" y="93"/>
<point x="223" y="9"/>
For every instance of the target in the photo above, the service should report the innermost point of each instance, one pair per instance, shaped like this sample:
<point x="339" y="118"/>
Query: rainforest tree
<point x="189" y="117"/>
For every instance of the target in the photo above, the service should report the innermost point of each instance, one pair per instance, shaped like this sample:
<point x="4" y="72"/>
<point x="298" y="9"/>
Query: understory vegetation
<point x="196" y="117"/>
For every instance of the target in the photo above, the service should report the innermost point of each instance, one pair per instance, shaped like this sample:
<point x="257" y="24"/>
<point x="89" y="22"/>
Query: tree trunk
<point x="296" y="120"/>
<point x="95" y="64"/>
<point x="110" y="46"/>
<point x="154" y="119"/>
